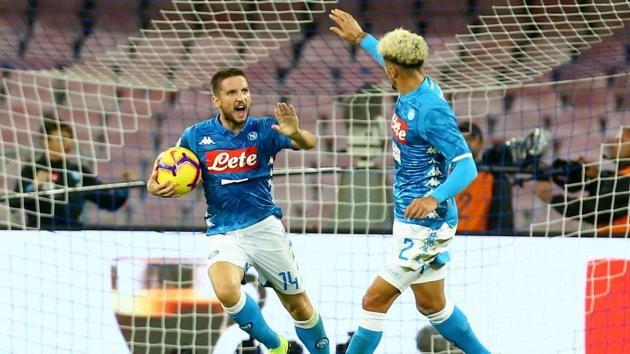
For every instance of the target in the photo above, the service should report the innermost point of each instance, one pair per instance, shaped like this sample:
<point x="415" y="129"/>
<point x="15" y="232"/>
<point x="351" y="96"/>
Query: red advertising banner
<point x="608" y="306"/>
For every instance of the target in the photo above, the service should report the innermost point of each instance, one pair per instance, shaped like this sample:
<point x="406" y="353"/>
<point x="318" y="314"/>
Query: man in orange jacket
<point x="485" y="206"/>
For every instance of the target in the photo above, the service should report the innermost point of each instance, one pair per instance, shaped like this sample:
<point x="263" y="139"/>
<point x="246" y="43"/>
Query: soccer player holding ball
<point x="427" y="144"/>
<point x="236" y="151"/>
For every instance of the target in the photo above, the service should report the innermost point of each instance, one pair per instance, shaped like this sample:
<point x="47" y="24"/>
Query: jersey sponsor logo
<point x="206" y="140"/>
<point x="396" y="153"/>
<point x="229" y="161"/>
<point x="399" y="129"/>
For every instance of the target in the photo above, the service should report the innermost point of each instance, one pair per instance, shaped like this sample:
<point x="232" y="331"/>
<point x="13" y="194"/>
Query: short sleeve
<point x="440" y="129"/>
<point x="184" y="139"/>
<point x="278" y="141"/>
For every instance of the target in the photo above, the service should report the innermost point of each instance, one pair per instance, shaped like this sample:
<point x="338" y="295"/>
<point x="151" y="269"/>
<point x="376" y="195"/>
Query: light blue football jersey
<point x="237" y="170"/>
<point x="426" y="140"/>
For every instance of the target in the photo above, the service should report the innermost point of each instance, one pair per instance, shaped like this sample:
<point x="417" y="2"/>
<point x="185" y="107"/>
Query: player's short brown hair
<point x="223" y="74"/>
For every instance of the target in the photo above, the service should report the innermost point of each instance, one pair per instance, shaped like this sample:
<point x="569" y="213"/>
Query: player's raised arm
<point x="350" y="30"/>
<point x="288" y="125"/>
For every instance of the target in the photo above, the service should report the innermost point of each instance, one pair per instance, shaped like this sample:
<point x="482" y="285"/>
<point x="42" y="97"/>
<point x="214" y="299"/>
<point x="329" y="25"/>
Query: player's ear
<point x="392" y="70"/>
<point x="216" y="102"/>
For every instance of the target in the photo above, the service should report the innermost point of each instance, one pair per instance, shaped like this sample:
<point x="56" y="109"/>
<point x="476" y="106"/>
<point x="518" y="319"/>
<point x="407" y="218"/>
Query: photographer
<point x="54" y="169"/>
<point x="485" y="206"/>
<point x="608" y="191"/>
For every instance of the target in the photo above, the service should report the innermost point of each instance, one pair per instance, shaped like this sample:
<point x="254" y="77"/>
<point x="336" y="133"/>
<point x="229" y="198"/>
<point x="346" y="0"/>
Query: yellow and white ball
<point x="180" y="166"/>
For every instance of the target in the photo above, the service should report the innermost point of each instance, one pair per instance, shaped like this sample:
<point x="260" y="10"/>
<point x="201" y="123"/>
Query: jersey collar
<point x="224" y="131"/>
<point x="426" y="84"/>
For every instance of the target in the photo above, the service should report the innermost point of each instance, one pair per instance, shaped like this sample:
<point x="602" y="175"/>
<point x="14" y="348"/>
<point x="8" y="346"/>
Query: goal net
<point x="110" y="84"/>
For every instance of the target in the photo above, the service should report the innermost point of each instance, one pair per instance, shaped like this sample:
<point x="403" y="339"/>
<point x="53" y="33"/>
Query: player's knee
<point x="428" y="306"/>
<point x="373" y="301"/>
<point x="228" y="295"/>
<point x="300" y="310"/>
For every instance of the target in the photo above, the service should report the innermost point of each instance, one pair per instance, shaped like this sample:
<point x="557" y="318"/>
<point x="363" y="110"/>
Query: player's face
<point x="234" y="101"/>
<point x="59" y="144"/>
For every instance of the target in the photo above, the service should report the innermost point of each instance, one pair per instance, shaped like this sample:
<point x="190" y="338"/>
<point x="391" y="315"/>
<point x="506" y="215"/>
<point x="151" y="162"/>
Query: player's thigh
<point x="419" y="255"/>
<point x="430" y="297"/>
<point x="380" y="296"/>
<point x="227" y="261"/>
<point x="226" y="281"/>
<point x="273" y="258"/>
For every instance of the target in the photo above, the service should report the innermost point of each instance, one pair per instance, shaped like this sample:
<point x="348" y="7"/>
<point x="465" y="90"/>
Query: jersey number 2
<point x="402" y="251"/>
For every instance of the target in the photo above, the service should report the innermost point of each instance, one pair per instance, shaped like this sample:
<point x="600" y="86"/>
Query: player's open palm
<point x="347" y="27"/>
<point x="287" y="119"/>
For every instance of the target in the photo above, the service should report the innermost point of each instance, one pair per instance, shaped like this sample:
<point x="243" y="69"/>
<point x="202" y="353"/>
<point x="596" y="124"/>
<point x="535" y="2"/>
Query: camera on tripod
<point x="518" y="155"/>
<point x="523" y="156"/>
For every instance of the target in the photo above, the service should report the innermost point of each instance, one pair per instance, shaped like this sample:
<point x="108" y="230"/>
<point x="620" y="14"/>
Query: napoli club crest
<point x="252" y="136"/>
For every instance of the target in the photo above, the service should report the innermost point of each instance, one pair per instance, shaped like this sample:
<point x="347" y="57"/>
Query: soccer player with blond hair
<point x="432" y="163"/>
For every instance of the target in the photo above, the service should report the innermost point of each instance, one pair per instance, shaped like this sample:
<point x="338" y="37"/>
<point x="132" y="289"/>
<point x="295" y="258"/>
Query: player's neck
<point x="411" y="82"/>
<point x="234" y="127"/>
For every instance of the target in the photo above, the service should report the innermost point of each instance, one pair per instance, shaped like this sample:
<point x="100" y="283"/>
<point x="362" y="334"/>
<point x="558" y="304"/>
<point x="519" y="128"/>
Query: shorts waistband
<point x="257" y="226"/>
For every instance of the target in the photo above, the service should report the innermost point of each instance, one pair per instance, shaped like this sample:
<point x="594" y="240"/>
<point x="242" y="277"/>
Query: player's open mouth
<point x="241" y="110"/>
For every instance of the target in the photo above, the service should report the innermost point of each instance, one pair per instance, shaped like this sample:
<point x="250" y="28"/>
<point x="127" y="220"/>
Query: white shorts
<point x="264" y="246"/>
<point x="419" y="255"/>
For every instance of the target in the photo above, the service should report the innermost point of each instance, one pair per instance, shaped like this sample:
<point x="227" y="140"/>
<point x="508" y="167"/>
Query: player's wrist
<point x="295" y="135"/>
<point x="435" y="200"/>
<point x="359" y="37"/>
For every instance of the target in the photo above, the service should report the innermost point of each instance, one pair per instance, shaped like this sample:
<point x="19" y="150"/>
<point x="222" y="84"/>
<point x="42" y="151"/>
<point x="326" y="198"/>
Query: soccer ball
<point x="180" y="166"/>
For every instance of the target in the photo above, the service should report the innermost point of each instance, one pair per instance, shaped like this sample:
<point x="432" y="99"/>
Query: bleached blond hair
<point x="404" y="48"/>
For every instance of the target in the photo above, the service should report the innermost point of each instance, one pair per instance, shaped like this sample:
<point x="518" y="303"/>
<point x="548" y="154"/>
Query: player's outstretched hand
<point x="287" y="119"/>
<point x="421" y="208"/>
<point x="348" y="28"/>
<point x="162" y="190"/>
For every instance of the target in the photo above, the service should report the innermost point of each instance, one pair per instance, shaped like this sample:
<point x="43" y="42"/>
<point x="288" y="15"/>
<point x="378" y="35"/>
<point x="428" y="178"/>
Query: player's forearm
<point x="370" y="45"/>
<point x="303" y="139"/>
<point x="464" y="172"/>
